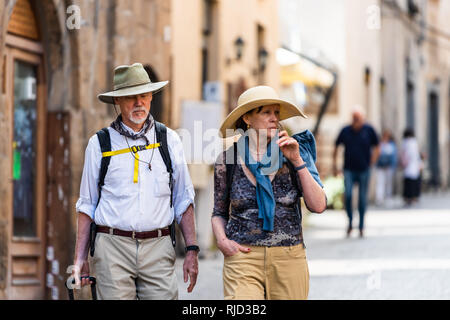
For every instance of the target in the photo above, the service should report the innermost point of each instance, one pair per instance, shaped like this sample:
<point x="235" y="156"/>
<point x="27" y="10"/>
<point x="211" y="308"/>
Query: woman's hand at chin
<point x="290" y="148"/>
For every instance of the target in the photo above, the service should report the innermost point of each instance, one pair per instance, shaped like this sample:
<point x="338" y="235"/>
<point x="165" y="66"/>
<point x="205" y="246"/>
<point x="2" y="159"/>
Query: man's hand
<point x="81" y="270"/>
<point x="81" y="265"/>
<point x="190" y="265"/>
<point x="375" y="155"/>
<point x="335" y="170"/>
<point x="190" y="269"/>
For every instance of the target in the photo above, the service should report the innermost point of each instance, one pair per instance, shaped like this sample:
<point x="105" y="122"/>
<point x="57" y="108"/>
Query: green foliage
<point x="334" y="189"/>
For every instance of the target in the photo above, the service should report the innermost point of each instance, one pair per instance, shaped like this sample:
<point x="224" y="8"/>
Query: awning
<point x="295" y="68"/>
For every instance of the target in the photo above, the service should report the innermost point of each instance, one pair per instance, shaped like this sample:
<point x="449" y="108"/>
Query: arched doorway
<point x="25" y="89"/>
<point x="157" y="102"/>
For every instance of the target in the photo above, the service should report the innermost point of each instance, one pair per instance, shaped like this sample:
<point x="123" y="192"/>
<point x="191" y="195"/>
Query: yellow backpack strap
<point x="134" y="149"/>
<point x="136" y="168"/>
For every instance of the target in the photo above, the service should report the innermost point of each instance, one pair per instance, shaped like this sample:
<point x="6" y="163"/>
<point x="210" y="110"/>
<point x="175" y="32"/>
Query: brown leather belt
<point x="134" y="234"/>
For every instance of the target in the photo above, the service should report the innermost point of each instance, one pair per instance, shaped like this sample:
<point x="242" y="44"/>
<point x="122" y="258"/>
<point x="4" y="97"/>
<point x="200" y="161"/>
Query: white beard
<point x="138" y="120"/>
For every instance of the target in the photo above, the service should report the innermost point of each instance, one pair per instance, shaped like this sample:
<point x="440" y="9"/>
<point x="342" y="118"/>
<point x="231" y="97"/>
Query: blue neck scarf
<point x="269" y="164"/>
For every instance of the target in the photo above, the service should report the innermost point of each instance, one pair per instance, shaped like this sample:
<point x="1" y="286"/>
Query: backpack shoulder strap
<point x="105" y="146"/>
<point x="161" y="137"/>
<point x="294" y="178"/>
<point x="230" y="168"/>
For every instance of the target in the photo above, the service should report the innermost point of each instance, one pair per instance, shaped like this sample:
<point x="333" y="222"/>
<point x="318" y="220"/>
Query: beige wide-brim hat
<point x="129" y="81"/>
<point x="254" y="98"/>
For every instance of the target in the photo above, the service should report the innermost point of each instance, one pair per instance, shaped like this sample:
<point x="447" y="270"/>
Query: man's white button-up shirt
<point x="141" y="206"/>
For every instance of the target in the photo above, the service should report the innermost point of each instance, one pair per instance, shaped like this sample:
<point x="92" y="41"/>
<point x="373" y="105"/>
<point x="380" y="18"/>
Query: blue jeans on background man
<point x="362" y="179"/>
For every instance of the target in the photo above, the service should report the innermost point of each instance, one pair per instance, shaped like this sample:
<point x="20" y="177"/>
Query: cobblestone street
<point x="405" y="255"/>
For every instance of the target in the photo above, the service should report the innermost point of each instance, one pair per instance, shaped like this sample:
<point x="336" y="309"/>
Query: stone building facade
<point x="56" y="57"/>
<point x="392" y="58"/>
<point x="230" y="46"/>
<point x="416" y="80"/>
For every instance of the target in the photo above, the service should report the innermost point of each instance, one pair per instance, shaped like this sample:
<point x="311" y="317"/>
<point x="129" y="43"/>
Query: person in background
<point x="361" y="152"/>
<point x="385" y="168"/>
<point x="412" y="165"/>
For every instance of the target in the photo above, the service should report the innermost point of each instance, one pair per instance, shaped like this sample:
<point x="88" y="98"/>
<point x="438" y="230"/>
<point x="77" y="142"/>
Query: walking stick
<point x="93" y="288"/>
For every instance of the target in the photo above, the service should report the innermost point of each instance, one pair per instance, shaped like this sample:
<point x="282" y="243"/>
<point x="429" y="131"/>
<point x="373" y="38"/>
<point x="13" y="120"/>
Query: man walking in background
<point x="359" y="139"/>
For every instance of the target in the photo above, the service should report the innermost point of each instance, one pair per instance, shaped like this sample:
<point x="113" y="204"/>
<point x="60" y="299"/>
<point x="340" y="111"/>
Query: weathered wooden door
<point x="25" y="87"/>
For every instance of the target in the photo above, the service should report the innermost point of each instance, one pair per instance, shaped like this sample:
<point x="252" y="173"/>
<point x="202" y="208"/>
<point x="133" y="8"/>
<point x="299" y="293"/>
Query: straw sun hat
<point x="129" y="81"/>
<point x="254" y="98"/>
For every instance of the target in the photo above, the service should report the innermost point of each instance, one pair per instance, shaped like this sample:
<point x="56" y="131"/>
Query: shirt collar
<point x="129" y="129"/>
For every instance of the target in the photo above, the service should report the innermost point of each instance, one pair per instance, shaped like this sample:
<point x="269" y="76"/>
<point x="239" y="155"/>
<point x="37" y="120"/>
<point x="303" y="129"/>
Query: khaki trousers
<point x="274" y="273"/>
<point x="129" y="269"/>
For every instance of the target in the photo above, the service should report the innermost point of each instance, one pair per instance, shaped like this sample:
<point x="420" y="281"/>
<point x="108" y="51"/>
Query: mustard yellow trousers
<point x="273" y="273"/>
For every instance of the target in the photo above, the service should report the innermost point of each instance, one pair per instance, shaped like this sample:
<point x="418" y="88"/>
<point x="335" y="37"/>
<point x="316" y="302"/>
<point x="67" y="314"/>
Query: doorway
<point x="25" y="110"/>
<point x="157" y="101"/>
<point x="24" y="81"/>
<point x="410" y="107"/>
<point x="433" y="139"/>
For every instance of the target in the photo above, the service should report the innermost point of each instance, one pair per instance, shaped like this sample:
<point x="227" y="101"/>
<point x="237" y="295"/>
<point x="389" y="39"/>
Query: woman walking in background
<point x="385" y="168"/>
<point x="257" y="186"/>
<point x="412" y="166"/>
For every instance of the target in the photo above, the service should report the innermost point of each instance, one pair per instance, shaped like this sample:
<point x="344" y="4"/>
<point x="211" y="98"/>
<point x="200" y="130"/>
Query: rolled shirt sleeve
<point x="183" y="190"/>
<point x="87" y="201"/>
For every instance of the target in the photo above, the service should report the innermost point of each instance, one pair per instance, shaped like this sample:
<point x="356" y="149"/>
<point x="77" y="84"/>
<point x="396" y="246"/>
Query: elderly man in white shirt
<point x="134" y="257"/>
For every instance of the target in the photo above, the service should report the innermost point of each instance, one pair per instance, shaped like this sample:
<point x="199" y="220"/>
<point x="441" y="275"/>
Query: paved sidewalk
<point x="209" y="283"/>
<point x="405" y="255"/>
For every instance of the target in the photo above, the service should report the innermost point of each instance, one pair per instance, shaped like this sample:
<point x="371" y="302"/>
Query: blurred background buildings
<point x="392" y="57"/>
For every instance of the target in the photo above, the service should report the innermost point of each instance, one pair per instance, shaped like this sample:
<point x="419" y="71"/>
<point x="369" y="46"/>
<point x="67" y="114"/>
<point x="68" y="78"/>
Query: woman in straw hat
<point x="257" y="185"/>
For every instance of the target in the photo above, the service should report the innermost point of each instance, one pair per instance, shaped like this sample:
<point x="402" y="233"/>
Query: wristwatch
<point x="300" y="167"/>
<point x="193" y="248"/>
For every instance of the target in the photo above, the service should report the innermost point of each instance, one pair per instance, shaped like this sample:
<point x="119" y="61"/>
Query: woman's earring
<point x="248" y="126"/>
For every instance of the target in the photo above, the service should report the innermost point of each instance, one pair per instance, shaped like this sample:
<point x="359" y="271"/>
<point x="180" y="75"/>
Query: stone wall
<point x="79" y="65"/>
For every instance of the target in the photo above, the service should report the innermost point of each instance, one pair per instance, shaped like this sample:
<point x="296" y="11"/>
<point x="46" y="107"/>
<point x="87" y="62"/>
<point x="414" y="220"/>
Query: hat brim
<point x="287" y="110"/>
<point x="153" y="87"/>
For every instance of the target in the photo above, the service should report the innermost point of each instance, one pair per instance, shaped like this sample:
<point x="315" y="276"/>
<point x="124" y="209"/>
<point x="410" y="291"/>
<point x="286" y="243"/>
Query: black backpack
<point x="105" y="145"/>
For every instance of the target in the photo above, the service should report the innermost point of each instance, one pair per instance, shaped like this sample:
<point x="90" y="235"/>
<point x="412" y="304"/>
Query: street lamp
<point x="239" y="44"/>
<point x="367" y="75"/>
<point x="382" y="84"/>
<point x="262" y="58"/>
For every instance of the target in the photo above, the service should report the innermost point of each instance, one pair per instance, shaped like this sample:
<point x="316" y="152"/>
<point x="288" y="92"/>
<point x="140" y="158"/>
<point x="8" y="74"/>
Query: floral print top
<point x="243" y="224"/>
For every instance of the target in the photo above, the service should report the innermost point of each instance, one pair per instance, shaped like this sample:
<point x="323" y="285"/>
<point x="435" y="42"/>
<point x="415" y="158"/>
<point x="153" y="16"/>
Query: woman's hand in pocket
<point x="230" y="247"/>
